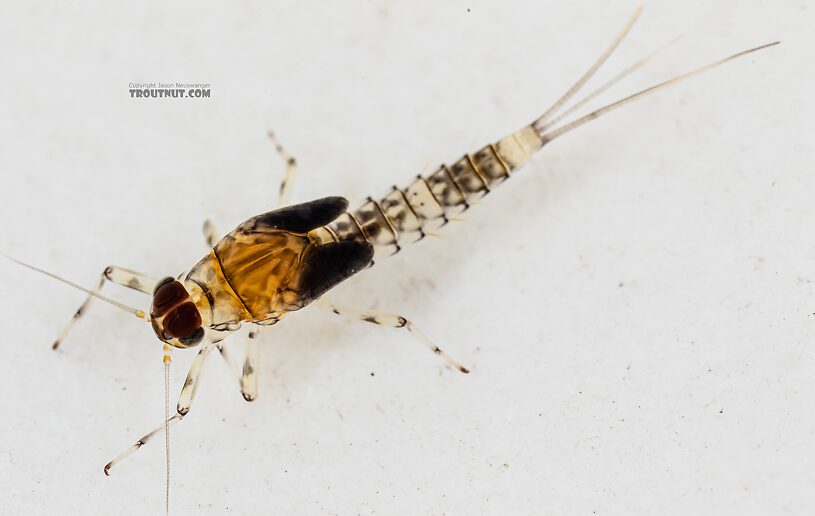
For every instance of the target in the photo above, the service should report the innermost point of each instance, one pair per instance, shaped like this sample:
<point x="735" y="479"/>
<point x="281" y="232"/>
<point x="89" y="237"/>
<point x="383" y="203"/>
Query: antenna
<point x="167" y="360"/>
<point x="138" y="313"/>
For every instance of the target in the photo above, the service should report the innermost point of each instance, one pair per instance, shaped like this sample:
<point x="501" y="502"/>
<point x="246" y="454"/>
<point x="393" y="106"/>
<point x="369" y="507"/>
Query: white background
<point x="636" y="305"/>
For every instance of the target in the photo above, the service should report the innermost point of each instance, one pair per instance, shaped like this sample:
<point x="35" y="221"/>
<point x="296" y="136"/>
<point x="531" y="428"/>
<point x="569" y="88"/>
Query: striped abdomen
<point x="405" y="215"/>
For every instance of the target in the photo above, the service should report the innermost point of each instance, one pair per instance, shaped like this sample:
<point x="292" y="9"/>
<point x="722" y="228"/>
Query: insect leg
<point x="284" y="192"/>
<point x="185" y="400"/>
<point x="249" y="373"/>
<point x="230" y="363"/>
<point x="286" y="184"/>
<point x="247" y="377"/>
<point x="210" y="233"/>
<point x="393" y="321"/>
<point x="125" y="277"/>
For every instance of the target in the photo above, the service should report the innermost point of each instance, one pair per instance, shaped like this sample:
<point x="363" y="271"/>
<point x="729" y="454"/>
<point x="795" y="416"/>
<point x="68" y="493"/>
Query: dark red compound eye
<point x="194" y="339"/>
<point x="162" y="282"/>
<point x="167" y="294"/>
<point x="182" y="321"/>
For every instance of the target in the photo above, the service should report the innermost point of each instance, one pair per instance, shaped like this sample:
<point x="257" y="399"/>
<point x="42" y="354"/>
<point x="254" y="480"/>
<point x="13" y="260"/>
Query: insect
<point x="287" y="259"/>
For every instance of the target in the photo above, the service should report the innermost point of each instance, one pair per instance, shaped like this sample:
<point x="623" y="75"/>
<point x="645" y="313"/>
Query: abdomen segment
<point x="405" y="215"/>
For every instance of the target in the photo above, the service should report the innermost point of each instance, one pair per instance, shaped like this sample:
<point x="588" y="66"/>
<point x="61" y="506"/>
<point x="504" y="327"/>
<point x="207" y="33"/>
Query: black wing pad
<point x="327" y="265"/>
<point x="299" y="218"/>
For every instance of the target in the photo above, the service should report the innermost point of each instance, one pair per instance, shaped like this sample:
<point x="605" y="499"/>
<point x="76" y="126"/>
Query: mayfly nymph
<point x="287" y="259"/>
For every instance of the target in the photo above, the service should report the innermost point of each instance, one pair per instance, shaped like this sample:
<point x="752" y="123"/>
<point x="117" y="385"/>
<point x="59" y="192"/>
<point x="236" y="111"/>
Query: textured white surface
<point x="636" y="305"/>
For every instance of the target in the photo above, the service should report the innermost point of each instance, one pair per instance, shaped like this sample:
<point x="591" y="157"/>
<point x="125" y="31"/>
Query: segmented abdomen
<point x="405" y="215"/>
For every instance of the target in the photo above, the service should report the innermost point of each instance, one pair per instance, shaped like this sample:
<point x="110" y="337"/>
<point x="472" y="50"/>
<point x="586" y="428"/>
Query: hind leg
<point x="390" y="320"/>
<point x="286" y="185"/>
<point x="284" y="190"/>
